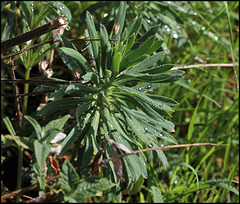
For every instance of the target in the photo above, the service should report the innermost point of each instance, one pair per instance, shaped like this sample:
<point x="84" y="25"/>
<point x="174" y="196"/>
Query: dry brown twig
<point x="205" y="65"/>
<point x="24" y="190"/>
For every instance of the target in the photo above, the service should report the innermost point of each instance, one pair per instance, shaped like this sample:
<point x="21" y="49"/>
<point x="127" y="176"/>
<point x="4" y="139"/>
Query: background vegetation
<point x="192" y="33"/>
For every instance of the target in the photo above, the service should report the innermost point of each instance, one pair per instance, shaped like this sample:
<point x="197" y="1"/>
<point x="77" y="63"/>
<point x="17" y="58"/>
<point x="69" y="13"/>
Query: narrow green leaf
<point x="134" y="62"/>
<point x="142" y="105"/>
<point x="84" y="107"/>
<point x="231" y="44"/>
<point x="149" y="62"/>
<point x="145" y="87"/>
<point x="8" y="124"/>
<point x="190" y="128"/>
<point x="26" y="11"/>
<point x="93" y="35"/>
<point x="121" y="17"/>
<point x="94" y="128"/>
<point x="69" y="140"/>
<point x="59" y="93"/>
<point x="157" y="196"/>
<point x="135" y="26"/>
<point x="160" y="155"/>
<point x="67" y="59"/>
<point x="115" y="123"/>
<point x="41" y="152"/>
<point x="138" y="52"/>
<point x="138" y="130"/>
<point x="86" y="154"/>
<point x="62" y="104"/>
<point x="130" y="43"/>
<point x="158" y="69"/>
<point x="137" y="186"/>
<point x="79" y="88"/>
<point x="154" y="47"/>
<point x="151" y="32"/>
<point x="36" y="126"/>
<point x="79" y="58"/>
<point x="126" y="78"/>
<point x="190" y="167"/>
<point x="7" y="31"/>
<point x="116" y="63"/>
<point x="66" y="42"/>
<point x="104" y="47"/>
<point x="162" y="100"/>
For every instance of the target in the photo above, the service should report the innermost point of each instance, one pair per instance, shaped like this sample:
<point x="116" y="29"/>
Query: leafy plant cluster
<point x="115" y="98"/>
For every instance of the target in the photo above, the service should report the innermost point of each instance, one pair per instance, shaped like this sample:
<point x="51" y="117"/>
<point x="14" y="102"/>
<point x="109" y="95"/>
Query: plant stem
<point x="26" y="90"/>
<point x="19" y="171"/>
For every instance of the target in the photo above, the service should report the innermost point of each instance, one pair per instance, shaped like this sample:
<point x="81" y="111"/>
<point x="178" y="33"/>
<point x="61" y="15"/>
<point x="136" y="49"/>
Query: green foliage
<point x="128" y="94"/>
<point x="77" y="190"/>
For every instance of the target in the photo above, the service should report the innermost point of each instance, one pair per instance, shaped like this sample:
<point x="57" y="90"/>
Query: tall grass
<point x="207" y="112"/>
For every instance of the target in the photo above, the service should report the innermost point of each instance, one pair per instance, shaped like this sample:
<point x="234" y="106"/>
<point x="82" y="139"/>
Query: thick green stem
<point x="26" y="90"/>
<point x="19" y="171"/>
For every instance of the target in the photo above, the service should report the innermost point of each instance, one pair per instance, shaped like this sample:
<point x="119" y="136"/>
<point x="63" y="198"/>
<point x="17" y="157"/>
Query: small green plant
<point x="118" y="104"/>
<point x="114" y="104"/>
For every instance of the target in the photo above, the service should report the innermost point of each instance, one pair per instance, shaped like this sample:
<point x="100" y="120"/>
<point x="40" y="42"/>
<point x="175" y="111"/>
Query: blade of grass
<point x="231" y="44"/>
<point x="191" y="126"/>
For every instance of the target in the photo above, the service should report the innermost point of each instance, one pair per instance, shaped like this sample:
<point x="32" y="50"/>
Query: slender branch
<point x="32" y="33"/>
<point x="161" y="148"/>
<point x="15" y="81"/>
<point x="27" y="94"/>
<point x="204" y="65"/>
<point x="17" y="100"/>
<point x="39" y="81"/>
<point x="49" y="41"/>
<point x="23" y="190"/>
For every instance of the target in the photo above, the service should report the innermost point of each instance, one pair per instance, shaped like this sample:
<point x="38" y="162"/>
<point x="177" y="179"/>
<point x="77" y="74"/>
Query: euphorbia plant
<point x="116" y="101"/>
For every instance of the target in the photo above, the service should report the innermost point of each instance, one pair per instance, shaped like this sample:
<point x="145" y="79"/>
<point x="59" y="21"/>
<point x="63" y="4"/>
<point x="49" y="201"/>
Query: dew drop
<point x="194" y="22"/>
<point x="160" y="134"/>
<point x="68" y="28"/>
<point x="139" y="89"/>
<point x="216" y="37"/>
<point x="149" y="86"/>
<point x="175" y="35"/>
<point x="149" y="21"/>
<point x="203" y="28"/>
<point x="105" y="14"/>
